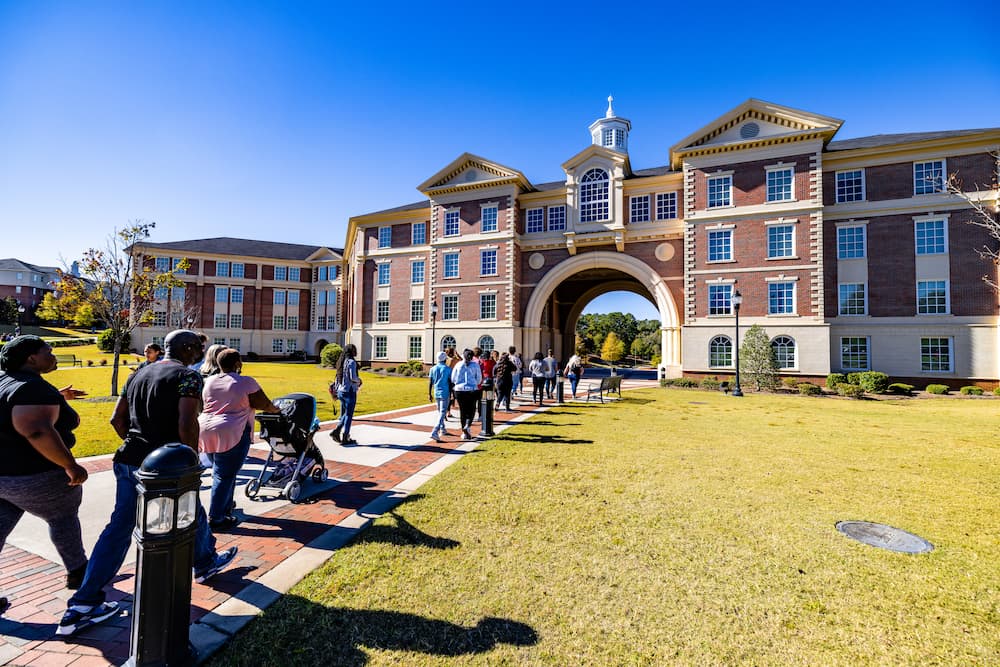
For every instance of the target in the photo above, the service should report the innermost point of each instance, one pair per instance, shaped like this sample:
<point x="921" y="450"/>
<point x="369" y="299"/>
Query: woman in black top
<point x="38" y="473"/>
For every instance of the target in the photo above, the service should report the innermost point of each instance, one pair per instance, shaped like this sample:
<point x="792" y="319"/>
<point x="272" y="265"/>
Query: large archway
<point x="556" y="302"/>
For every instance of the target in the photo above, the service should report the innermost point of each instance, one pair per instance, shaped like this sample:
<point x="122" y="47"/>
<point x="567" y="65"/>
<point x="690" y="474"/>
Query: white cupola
<point x="611" y="131"/>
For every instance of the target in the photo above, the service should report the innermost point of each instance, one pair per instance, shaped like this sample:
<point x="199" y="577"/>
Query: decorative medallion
<point x="664" y="252"/>
<point x="536" y="261"/>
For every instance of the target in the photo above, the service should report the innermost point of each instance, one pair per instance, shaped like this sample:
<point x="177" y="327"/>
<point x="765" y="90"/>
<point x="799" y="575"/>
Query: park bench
<point x="612" y="383"/>
<point x="68" y="360"/>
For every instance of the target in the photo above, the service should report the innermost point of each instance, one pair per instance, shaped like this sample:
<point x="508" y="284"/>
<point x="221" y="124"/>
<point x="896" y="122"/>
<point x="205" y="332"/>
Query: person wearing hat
<point x="38" y="473"/>
<point x="439" y="390"/>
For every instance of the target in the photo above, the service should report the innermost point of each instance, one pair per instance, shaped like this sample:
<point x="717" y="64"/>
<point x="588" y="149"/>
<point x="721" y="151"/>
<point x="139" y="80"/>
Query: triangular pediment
<point x="469" y="171"/>
<point x="615" y="157"/>
<point x="324" y="255"/>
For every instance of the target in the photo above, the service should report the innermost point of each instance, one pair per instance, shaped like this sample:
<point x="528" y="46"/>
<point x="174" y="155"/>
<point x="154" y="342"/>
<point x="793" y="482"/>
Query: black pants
<point x="466" y="406"/>
<point x="538" y="389"/>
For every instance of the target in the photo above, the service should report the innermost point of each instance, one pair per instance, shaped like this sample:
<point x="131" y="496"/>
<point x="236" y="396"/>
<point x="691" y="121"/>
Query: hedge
<point x="971" y="390"/>
<point x="809" y="389"/>
<point x="850" y="390"/>
<point x="900" y="388"/>
<point x="833" y="379"/>
<point x="937" y="389"/>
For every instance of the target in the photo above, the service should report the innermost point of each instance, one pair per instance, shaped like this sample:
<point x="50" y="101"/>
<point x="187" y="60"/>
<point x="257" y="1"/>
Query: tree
<point x="8" y="311"/>
<point x="613" y="348"/>
<point x="84" y="316"/>
<point x="53" y="309"/>
<point x="983" y="216"/>
<point x="120" y="286"/>
<point x="757" y="362"/>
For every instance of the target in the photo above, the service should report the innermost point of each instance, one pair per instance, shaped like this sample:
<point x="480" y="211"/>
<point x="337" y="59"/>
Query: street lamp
<point x="737" y="300"/>
<point x="20" y="315"/>
<point x="434" y="314"/>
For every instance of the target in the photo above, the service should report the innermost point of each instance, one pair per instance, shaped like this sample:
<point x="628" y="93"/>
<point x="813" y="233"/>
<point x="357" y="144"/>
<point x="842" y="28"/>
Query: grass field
<point x="674" y="527"/>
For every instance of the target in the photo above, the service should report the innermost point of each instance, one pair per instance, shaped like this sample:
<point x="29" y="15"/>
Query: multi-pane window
<point x="158" y="340"/>
<point x="666" y="206"/>
<point x="236" y="343"/>
<point x="220" y="320"/>
<point x="784" y="351"/>
<point x="278" y="345"/>
<point x="291" y="345"/>
<point x="489" y="219"/>
<point x="720" y="245"/>
<point x="176" y="265"/>
<point x="418" y="233"/>
<point x="449" y="307"/>
<point x="854" y="353"/>
<point x="278" y="322"/>
<point x="720" y="352"/>
<point x="935" y="355"/>
<point x="851" y="242"/>
<point x="381" y="347"/>
<point x="416" y="310"/>
<point x="780" y="298"/>
<point x="451" y="223"/>
<point x="162" y="264"/>
<point x="331" y="322"/>
<point x="594" y="196"/>
<point x="294" y="274"/>
<point x="292" y="322"/>
<point x="161" y="292"/>
<point x="534" y="220"/>
<point x="321" y="298"/>
<point x="280" y="296"/>
<point x="383" y="273"/>
<point x="177" y="293"/>
<point x="221" y="294"/>
<point x="385" y="237"/>
<point x="236" y="295"/>
<point x="486" y="344"/>
<point x="281" y="273"/>
<point x="448" y="341"/>
<point x="222" y="269"/>
<point x="416" y="347"/>
<point x="720" y="191"/>
<point x="235" y="321"/>
<point x="639" y="209"/>
<point x="487" y="262"/>
<point x="487" y="306"/>
<point x="219" y="341"/>
<point x="930" y="237"/>
<point x="780" y="240"/>
<point x="850" y="185"/>
<point x="331" y="299"/>
<point x="720" y="299"/>
<point x="417" y="272"/>
<point x="852" y="299"/>
<point x="293" y="297"/>
<point x="238" y="269"/>
<point x="779" y="184"/>
<point x="321" y="274"/>
<point x="932" y="297"/>
<point x="381" y="312"/>
<point x="557" y="218"/>
<point x="451" y="265"/>
<point x="159" y="318"/>
<point x="928" y="177"/>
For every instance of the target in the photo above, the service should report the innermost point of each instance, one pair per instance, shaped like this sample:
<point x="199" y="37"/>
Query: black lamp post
<point x="434" y="314"/>
<point x="737" y="300"/>
<point x="20" y="316"/>
<point x="486" y="408"/>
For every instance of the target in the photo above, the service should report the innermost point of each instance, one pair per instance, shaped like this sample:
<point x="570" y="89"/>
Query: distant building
<point x="26" y="283"/>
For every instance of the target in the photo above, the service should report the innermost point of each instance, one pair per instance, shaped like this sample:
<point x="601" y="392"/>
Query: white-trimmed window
<point x="291" y="344"/>
<point x="236" y="343"/>
<point x="780" y="241"/>
<point x="720" y="352"/>
<point x="557" y="218"/>
<point x="928" y="177"/>
<point x="534" y="220"/>
<point x="218" y="340"/>
<point x="666" y="205"/>
<point x="418" y="233"/>
<point x="489" y="218"/>
<point x="236" y="295"/>
<point x="176" y="265"/>
<point x="854" y="353"/>
<point x="281" y="273"/>
<point x="720" y="191"/>
<point x="222" y="269"/>
<point x="292" y="322"/>
<point x="293" y="297"/>
<point x="449" y="307"/>
<point x="784" y="351"/>
<point x="277" y="345"/>
<point x="935" y="355"/>
<point x="221" y="294"/>
<point x="279" y="297"/>
<point x="416" y="347"/>
<point x="594" y="196"/>
<point x="235" y="321"/>
<point x="780" y="182"/>
<point x="931" y="237"/>
<point x="161" y="292"/>
<point x="278" y="322"/>
<point x="720" y="299"/>
<point x="487" y="307"/>
<point x="294" y="274"/>
<point x="158" y="340"/>
<point x="383" y="273"/>
<point x="446" y="342"/>
<point x="780" y="298"/>
<point x="416" y="310"/>
<point x="852" y="299"/>
<point x="331" y="322"/>
<point x="321" y="274"/>
<point x="850" y="185"/>
<point x="177" y="293"/>
<point x="385" y="237"/>
<point x="932" y="297"/>
<point x="221" y="319"/>
<point x="417" y="272"/>
<point x="238" y="270"/>
<point x="720" y="245"/>
<point x="381" y="312"/>
<point x="451" y="265"/>
<point x="321" y="298"/>
<point x="381" y="347"/>
<point x="451" y="223"/>
<point x="162" y="264"/>
<point x="639" y="208"/>
<point x="851" y="242"/>
<point x="486" y="344"/>
<point x="159" y="318"/>
<point x="487" y="262"/>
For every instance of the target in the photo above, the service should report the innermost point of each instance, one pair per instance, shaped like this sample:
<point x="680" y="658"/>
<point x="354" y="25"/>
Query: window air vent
<point x="749" y="130"/>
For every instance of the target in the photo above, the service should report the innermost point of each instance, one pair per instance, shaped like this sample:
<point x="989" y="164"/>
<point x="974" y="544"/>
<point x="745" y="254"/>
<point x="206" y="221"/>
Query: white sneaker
<point x="466" y="435"/>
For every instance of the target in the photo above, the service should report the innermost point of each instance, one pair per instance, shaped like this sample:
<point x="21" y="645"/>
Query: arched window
<point x="486" y="343"/>
<point x="784" y="351"/>
<point x="594" y="196"/>
<point x="720" y="352"/>
<point x="446" y="342"/>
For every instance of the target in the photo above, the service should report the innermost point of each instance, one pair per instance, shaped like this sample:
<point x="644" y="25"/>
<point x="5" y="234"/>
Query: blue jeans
<point x="442" y="407"/>
<point x="574" y="380"/>
<point x="225" y="466"/>
<point x="114" y="542"/>
<point x="348" y="400"/>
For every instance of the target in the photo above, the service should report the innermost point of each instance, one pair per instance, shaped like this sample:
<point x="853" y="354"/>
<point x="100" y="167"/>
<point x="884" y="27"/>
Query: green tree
<point x="84" y="316"/>
<point x="613" y="348"/>
<point x="757" y="362"/>
<point x="8" y="311"/>
<point x="52" y="309"/>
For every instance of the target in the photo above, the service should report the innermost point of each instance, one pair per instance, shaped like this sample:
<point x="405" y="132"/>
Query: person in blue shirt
<point x="439" y="390"/>
<point x="467" y="376"/>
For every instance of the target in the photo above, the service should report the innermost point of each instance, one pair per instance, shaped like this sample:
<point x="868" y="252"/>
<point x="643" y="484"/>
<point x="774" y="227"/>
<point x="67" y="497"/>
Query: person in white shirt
<point x="537" y="370"/>
<point x="467" y="376"/>
<point x="551" y="367"/>
<point x="574" y="371"/>
<point x="518" y="372"/>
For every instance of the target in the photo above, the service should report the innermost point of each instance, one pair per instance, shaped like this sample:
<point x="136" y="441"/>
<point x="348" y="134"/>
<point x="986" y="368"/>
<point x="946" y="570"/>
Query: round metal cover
<point x="884" y="537"/>
<point x="749" y="130"/>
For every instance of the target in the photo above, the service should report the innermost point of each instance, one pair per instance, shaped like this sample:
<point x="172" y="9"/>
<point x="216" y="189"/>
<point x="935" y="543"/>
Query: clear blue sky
<point x="279" y="120"/>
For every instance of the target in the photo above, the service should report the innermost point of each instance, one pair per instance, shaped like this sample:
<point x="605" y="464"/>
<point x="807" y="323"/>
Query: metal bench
<point x="68" y="359"/>
<point x="612" y="383"/>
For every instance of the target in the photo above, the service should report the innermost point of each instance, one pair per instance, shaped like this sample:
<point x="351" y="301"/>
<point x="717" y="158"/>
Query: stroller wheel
<point x="252" y="487"/>
<point x="320" y="474"/>
<point x="293" y="490"/>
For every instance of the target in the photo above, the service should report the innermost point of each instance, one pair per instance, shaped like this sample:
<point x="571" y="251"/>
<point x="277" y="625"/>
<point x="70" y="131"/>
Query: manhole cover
<point x="884" y="537"/>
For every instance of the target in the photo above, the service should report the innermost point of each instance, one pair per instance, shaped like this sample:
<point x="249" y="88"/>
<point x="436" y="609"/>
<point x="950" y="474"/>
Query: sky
<point x="281" y="120"/>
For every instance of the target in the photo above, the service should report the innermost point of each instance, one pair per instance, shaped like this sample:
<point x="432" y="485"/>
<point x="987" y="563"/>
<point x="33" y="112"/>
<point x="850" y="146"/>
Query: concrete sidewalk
<point x="279" y="542"/>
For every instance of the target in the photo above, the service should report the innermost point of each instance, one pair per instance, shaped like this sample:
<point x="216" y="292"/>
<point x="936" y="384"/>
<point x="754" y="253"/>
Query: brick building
<point x="26" y="283"/>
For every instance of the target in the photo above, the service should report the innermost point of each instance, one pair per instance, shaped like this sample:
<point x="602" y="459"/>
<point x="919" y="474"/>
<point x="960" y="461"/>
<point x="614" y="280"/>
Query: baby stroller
<point x="289" y="434"/>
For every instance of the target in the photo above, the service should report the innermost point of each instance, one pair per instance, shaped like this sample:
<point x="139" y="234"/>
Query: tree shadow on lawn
<point x="544" y="439"/>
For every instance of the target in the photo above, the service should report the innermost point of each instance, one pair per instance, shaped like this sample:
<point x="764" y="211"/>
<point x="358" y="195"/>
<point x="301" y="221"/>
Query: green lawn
<point x="674" y="527"/>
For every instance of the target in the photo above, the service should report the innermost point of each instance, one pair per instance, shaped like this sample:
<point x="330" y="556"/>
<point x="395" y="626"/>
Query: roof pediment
<point x="471" y="172"/>
<point x="615" y="157"/>
<point x="324" y="255"/>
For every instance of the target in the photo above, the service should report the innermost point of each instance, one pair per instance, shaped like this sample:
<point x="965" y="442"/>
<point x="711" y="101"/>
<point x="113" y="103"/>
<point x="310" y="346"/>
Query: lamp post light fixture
<point x="486" y="407"/>
<point x="737" y="301"/>
<point x="434" y="314"/>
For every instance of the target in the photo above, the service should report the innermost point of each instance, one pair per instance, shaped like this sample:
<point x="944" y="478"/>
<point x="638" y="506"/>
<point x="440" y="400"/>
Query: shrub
<point x="937" y="389"/>
<point x="854" y="378"/>
<point x="874" y="382"/>
<point x="850" y="390"/>
<point x="809" y="389"/>
<point x="790" y="382"/>
<point x="252" y="356"/>
<point x="900" y="388"/>
<point x="833" y="379"/>
<point x="329" y="354"/>
<point x="971" y="390"/>
<point x="106" y="341"/>
<point x="411" y="367"/>
<point x="678" y="382"/>
<point x="996" y="392"/>
<point x="70" y="342"/>
<point x="710" y="383"/>
<point x="104" y="362"/>
<point x="90" y="362"/>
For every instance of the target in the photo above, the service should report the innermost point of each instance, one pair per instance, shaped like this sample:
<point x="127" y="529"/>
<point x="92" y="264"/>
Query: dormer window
<point x="613" y="138"/>
<point x="594" y="196"/>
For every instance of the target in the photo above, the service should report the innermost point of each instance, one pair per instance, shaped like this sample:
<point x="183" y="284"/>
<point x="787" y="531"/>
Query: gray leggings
<point x="47" y="496"/>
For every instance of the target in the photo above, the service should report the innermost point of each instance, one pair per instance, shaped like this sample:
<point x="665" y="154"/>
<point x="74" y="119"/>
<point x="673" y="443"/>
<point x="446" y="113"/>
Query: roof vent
<point x="749" y="130"/>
